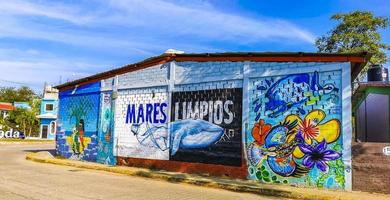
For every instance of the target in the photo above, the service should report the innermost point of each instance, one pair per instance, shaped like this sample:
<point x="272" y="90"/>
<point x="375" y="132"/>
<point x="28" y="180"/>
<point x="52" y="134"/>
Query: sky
<point x="57" y="41"/>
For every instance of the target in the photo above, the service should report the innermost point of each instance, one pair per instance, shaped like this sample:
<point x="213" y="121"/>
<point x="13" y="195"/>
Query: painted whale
<point x="193" y="134"/>
<point x="292" y="91"/>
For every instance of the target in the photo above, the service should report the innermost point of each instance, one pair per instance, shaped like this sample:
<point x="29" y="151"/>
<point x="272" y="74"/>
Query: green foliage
<point x="25" y="120"/>
<point x="79" y="109"/>
<point x="264" y="175"/>
<point x="10" y="94"/>
<point x="21" y="119"/>
<point x="356" y="32"/>
<point x="322" y="179"/>
<point x="308" y="180"/>
<point x="336" y="169"/>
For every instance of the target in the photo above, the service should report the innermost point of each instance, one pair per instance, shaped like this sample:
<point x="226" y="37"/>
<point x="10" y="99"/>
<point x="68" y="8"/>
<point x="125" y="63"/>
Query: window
<point x="52" y="127"/>
<point x="49" y="107"/>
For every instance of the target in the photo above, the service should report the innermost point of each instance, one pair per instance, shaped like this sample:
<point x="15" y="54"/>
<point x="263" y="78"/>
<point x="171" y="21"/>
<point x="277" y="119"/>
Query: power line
<point x="18" y="83"/>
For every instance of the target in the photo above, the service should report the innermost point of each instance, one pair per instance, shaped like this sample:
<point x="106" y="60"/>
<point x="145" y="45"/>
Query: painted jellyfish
<point x="151" y="135"/>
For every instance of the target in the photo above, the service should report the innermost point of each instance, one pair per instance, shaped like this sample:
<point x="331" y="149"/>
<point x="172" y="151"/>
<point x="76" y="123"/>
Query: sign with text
<point x="9" y="134"/>
<point x="206" y="126"/>
<point x="142" y="129"/>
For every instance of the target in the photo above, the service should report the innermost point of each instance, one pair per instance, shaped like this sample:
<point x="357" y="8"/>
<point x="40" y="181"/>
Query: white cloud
<point x="49" y="10"/>
<point x="34" y="67"/>
<point x="158" y="17"/>
<point x="126" y="27"/>
<point x="206" y="21"/>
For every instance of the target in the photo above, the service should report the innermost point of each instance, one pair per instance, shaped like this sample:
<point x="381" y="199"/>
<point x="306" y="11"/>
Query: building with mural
<point x="371" y="111"/>
<point x="48" y="115"/>
<point x="5" y="108"/>
<point x="281" y="118"/>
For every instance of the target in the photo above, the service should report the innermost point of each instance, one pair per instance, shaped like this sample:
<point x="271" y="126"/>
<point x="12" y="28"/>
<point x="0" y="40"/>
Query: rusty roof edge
<point x="170" y="57"/>
<point x="116" y="71"/>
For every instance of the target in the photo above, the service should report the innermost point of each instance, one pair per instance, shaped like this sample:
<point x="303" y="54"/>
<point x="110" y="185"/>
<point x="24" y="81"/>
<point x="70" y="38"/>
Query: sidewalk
<point x="213" y="182"/>
<point x="25" y="141"/>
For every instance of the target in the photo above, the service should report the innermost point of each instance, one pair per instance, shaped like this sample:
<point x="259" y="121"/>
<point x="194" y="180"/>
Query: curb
<point x="214" y="182"/>
<point x="27" y="142"/>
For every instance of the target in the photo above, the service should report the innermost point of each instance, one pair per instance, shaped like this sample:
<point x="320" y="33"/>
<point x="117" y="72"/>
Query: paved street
<point x="21" y="179"/>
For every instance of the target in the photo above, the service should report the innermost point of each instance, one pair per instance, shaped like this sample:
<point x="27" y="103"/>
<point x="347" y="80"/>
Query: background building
<point x="371" y="113"/>
<point x="5" y="108"/>
<point x="48" y="115"/>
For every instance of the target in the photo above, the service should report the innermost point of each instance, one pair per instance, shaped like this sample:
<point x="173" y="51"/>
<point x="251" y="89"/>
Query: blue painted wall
<point x="78" y="122"/>
<point x="49" y="101"/>
<point x="47" y="122"/>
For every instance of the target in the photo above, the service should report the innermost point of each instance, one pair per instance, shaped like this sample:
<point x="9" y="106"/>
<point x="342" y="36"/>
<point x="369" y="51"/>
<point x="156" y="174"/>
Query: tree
<point x="25" y="119"/>
<point x="356" y="32"/>
<point x="21" y="119"/>
<point x="10" y="94"/>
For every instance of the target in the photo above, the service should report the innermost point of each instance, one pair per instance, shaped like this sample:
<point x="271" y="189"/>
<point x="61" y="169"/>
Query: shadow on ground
<point x="51" y="151"/>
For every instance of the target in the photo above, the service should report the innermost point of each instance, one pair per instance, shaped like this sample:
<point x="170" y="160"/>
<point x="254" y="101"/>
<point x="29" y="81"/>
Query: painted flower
<point x="260" y="131"/>
<point x="308" y="129"/>
<point x="318" y="156"/>
<point x="311" y="128"/>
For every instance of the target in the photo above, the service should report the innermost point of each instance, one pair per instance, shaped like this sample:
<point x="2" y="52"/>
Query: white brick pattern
<point x="128" y="145"/>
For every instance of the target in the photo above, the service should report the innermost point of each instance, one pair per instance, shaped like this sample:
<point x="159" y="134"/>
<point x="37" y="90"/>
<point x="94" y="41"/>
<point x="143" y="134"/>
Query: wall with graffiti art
<point x="206" y="126"/>
<point x="294" y="134"/>
<point x="78" y="122"/>
<point x="141" y="126"/>
<point x="106" y="130"/>
<point x="273" y="122"/>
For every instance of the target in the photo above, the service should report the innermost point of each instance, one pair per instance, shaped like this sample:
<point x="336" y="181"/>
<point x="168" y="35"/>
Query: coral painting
<point x="296" y="131"/>
<point x="106" y="127"/>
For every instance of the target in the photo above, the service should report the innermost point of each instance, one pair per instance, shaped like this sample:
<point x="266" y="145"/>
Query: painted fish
<point x="278" y="151"/>
<point x="293" y="91"/>
<point x="193" y="134"/>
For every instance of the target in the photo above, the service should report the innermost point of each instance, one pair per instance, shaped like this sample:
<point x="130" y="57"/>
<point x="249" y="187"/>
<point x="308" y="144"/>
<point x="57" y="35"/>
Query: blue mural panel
<point x="106" y="129"/>
<point x="295" y="130"/>
<point x="78" y="121"/>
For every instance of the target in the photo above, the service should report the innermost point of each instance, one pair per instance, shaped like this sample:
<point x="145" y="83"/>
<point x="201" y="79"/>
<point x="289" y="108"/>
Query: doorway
<point x="45" y="129"/>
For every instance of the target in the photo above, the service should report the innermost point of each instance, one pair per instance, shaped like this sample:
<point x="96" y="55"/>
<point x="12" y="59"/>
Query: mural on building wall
<point x="77" y="124"/>
<point x="106" y="127"/>
<point x="295" y="130"/>
<point x="142" y="128"/>
<point x="206" y="126"/>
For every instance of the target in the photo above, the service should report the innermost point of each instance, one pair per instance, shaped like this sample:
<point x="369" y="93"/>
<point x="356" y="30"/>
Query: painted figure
<point x="81" y="133"/>
<point x="75" y="145"/>
<point x="78" y="138"/>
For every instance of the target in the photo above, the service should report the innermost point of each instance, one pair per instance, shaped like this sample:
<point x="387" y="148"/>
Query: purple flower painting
<point x="318" y="156"/>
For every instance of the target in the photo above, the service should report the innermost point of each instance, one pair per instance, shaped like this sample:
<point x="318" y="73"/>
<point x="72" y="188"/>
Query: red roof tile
<point x="8" y="107"/>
